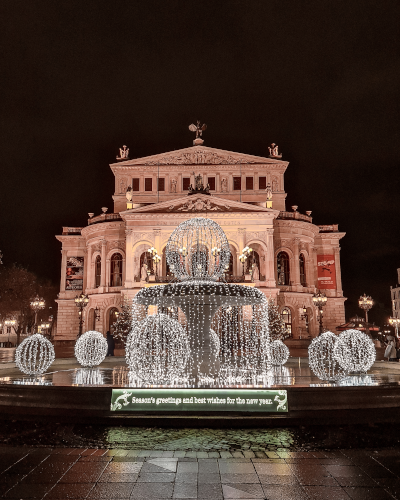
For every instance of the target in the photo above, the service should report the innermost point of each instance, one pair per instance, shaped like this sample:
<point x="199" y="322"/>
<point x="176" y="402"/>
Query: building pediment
<point x="199" y="155"/>
<point x="200" y="203"/>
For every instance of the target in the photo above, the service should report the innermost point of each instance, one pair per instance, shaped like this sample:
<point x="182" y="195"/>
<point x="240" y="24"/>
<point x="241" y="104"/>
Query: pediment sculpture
<point x="199" y="205"/>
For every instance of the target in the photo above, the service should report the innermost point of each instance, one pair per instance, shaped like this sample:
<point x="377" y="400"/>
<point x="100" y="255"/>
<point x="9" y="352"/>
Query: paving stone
<point x="26" y="491"/>
<point x="154" y="466"/>
<point x="282" y="479"/>
<point x="236" y="468"/>
<point x="119" y="478"/>
<point x="108" y="490"/>
<point x="248" y="454"/>
<point x="210" y="491"/>
<point x="239" y="478"/>
<point x="368" y="494"/>
<point x="344" y="470"/>
<point x="123" y="467"/>
<point x="188" y="467"/>
<point x="284" y="492"/>
<point x="153" y="491"/>
<point x="179" y="454"/>
<point x="362" y="481"/>
<point x="156" y="477"/>
<point x="242" y="491"/>
<point x="273" y="469"/>
<point x="185" y="490"/>
<point x="208" y="467"/>
<point x="208" y="478"/>
<point x="326" y="493"/>
<point x="67" y="491"/>
<point x="186" y="477"/>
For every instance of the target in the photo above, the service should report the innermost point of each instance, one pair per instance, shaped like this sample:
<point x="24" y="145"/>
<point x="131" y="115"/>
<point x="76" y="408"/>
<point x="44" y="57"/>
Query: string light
<point x="91" y="348"/>
<point x="34" y="355"/>
<point x="322" y="359"/>
<point x="157" y="349"/>
<point x="355" y="351"/>
<point x="279" y="352"/>
<point x="225" y="325"/>
<point x="88" y="376"/>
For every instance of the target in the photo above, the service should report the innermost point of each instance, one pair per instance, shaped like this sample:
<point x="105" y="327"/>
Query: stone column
<point x="179" y="184"/>
<point x="339" y="289"/>
<point x="218" y="183"/>
<point x="129" y="263"/>
<point x="270" y="259"/>
<point x="103" y="263"/>
<point x="86" y="267"/>
<point x="63" y="269"/>
<point x="296" y="264"/>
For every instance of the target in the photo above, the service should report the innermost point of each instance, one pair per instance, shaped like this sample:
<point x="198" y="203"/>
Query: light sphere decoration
<point x="322" y="360"/>
<point x="91" y="348"/>
<point x="198" y="249"/>
<point x="355" y="351"/>
<point x="34" y="355"/>
<point x="157" y="349"/>
<point x="278" y="352"/>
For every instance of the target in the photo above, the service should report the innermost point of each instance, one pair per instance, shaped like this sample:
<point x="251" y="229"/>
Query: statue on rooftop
<point x="268" y="192"/>
<point x="123" y="153"/>
<point x="199" y="129"/>
<point x="273" y="151"/>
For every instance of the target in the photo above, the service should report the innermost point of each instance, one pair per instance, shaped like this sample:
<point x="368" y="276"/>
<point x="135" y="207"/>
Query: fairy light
<point x="355" y="351"/>
<point x="322" y="359"/>
<point x="88" y="376"/>
<point x="279" y="352"/>
<point x="221" y="329"/>
<point x="34" y="355"/>
<point x="157" y="349"/>
<point x="91" y="349"/>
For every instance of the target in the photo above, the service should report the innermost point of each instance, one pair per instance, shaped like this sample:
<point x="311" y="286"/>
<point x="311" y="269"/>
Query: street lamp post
<point x="37" y="304"/>
<point x="45" y="325"/>
<point x="365" y="302"/>
<point x="395" y="322"/>
<point x="320" y="300"/>
<point x="81" y="301"/>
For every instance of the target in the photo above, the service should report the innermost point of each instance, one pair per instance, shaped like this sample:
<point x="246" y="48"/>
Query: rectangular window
<point x="249" y="183"/>
<point x="185" y="183"/>
<point x="148" y="184"/>
<point x="211" y="182"/>
<point x="161" y="184"/>
<point x="237" y="183"/>
<point x="262" y="183"/>
<point x="135" y="184"/>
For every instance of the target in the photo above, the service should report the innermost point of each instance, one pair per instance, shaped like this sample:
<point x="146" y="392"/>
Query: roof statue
<point x="123" y="153"/>
<point x="273" y="151"/>
<point x="199" y="129"/>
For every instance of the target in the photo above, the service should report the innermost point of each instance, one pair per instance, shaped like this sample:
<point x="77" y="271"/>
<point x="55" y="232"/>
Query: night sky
<point x="318" y="77"/>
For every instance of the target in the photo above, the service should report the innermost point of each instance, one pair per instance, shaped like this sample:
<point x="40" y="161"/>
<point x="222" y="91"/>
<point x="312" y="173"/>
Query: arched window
<point x="253" y="260"/>
<point x="145" y="258"/>
<point x="116" y="270"/>
<point x="97" y="272"/>
<point x="282" y="265"/>
<point x="112" y="317"/>
<point x="302" y="265"/>
<point x="287" y="319"/>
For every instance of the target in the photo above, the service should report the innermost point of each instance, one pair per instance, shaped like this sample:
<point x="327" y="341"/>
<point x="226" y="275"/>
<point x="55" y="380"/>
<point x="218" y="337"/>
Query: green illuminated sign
<point x="199" y="400"/>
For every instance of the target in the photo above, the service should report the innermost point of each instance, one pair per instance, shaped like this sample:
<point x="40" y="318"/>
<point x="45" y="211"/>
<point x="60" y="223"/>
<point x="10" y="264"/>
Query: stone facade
<point x="112" y="244"/>
<point x="395" y="296"/>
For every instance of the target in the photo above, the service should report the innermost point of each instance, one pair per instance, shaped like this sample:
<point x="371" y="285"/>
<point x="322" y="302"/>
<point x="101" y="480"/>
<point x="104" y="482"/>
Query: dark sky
<point x="318" y="77"/>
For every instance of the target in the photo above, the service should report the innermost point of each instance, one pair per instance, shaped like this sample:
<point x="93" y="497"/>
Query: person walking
<point x="110" y="344"/>
<point x="390" y="351"/>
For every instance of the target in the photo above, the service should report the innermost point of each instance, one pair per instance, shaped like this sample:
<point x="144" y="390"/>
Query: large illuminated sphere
<point x="91" y="349"/>
<point x="322" y="360"/>
<point x="34" y="355"/>
<point x="157" y="349"/>
<point x="198" y="249"/>
<point x="278" y="352"/>
<point x="355" y="351"/>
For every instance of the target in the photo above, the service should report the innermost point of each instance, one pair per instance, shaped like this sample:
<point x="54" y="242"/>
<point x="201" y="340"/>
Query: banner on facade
<point x="207" y="400"/>
<point x="74" y="273"/>
<point x="326" y="272"/>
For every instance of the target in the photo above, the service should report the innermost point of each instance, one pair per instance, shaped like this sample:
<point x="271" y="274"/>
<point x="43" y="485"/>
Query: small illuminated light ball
<point x="321" y="358"/>
<point x="157" y="349"/>
<point x="278" y="352"/>
<point x="34" y="355"/>
<point x="215" y="342"/>
<point x="91" y="348"/>
<point x="355" y="351"/>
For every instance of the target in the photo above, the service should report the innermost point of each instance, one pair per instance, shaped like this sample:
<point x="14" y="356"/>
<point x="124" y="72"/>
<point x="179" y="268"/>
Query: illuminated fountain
<point x="217" y="332"/>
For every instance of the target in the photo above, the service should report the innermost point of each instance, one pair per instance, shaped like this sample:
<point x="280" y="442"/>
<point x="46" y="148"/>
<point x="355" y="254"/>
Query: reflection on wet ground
<point x="295" y="373"/>
<point x="7" y="354"/>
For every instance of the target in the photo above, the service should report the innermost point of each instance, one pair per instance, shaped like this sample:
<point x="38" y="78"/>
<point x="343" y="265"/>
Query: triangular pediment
<point x="199" y="155"/>
<point x="199" y="203"/>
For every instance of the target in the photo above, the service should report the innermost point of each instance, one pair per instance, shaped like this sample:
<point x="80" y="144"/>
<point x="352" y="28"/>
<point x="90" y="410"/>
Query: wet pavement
<point x="78" y="473"/>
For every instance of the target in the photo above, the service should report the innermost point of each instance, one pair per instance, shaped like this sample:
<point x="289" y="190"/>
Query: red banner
<point x="326" y="272"/>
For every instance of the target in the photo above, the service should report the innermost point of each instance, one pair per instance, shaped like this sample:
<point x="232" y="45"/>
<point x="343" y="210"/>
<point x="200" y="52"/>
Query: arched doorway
<point x="112" y="318"/>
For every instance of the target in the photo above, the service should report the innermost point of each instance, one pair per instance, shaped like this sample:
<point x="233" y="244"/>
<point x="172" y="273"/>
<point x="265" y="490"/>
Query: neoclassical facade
<point x="292" y="257"/>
